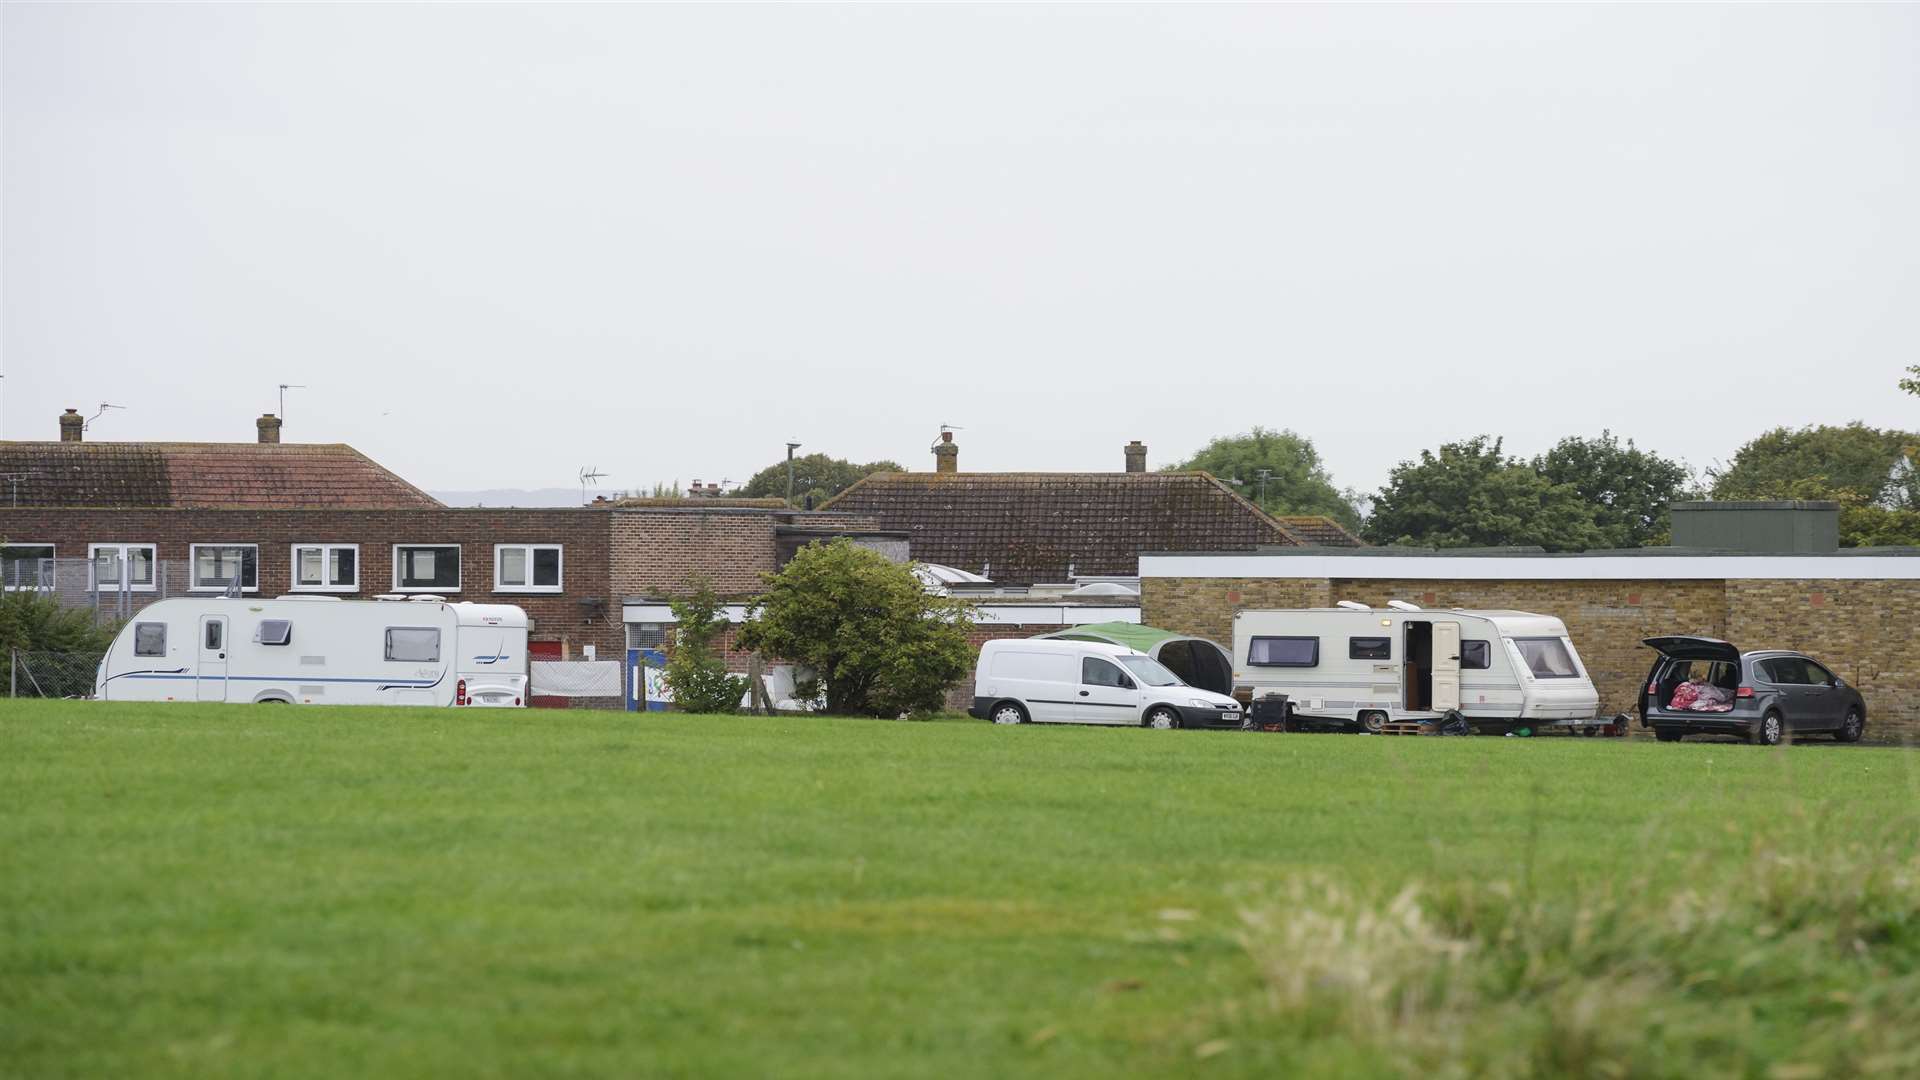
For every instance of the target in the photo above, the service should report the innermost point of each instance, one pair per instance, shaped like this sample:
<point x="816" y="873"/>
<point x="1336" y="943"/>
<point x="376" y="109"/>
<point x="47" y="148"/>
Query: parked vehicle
<point x="1703" y="686"/>
<point x="1366" y="667"/>
<point x="1021" y="681"/>
<point x="319" y="650"/>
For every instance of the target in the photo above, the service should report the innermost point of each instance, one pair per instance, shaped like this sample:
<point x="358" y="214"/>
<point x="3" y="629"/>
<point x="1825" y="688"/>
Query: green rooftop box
<point x="1777" y="527"/>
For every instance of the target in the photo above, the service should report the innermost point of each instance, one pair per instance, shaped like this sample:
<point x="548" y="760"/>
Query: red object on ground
<point x="544" y="650"/>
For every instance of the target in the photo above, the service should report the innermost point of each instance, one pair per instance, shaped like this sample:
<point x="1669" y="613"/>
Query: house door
<point x="1446" y="666"/>
<point x="211" y="683"/>
<point x="538" y="651"/>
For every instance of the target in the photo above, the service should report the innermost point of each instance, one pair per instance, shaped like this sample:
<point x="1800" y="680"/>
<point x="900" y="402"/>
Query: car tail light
<point x="1745" y="691"/>
<point x="1653" y="688"/>
<point x="460" y="692"/>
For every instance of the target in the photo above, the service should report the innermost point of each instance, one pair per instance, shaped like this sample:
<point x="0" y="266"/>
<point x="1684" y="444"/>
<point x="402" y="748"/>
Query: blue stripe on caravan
<point x="282" y="679"/>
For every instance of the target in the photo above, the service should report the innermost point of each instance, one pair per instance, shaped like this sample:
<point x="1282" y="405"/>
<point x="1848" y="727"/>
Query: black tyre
<point x="1372" y="721"/>
<point x="1008" y="712"/>
<point x="1162" y="717"/>
<point x="1769" y="730"/>
<point x="1851" y="728"/>
<point x="1668" y="734"/>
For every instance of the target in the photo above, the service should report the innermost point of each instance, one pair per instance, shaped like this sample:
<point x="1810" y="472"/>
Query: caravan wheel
<point x="1372" y="721"/>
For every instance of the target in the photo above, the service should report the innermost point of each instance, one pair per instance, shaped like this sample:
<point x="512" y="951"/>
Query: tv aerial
<point x="104" y="406"/>
<point x="590" y="476"/>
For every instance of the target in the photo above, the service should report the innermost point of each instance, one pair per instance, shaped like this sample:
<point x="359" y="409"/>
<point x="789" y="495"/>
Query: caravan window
<point x="426" y="567"/>
<point x="274" y="632"/>
<point x="413" y="644"/>
<point x="215" y="566"/>
<point x="1474" y="656"/>
<point x="1546" y="657"/>
<point x="1284" y="652"/>
<point x="1369" y="648"/>
<point x="150" y="639"/>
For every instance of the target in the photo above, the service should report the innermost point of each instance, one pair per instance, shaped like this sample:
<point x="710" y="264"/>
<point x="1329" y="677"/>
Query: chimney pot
<point x="269" y="427"/>
<point x="72" y="426"/>
<point x="1136" y="456"/>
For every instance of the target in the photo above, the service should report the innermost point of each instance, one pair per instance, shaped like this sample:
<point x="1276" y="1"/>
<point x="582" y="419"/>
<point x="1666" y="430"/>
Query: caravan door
<point x="1446" y="666"/>
<point x="211" y="684"/>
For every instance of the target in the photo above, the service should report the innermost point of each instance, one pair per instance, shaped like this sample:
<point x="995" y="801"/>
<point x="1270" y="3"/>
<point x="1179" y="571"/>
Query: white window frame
<point x="44" y="586"/>
<point x="436" y="589"/>
<point x="193" y="568"/>
<point x="326" y="568"/>
<point x="153" y="565"/>
<point x="558" y="549"/>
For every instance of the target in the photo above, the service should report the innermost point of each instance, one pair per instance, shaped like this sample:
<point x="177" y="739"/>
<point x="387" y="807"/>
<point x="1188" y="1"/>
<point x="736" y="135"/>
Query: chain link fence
<point x="51" y="674"/>
<point x="116" y="582"/>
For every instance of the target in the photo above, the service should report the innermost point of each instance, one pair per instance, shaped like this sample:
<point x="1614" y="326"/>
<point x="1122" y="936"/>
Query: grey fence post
<point x="13" y="670"/>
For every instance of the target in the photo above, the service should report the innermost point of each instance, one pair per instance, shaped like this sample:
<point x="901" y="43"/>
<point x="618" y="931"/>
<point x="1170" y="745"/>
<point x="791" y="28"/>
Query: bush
<point x="878" y="643"/>
<point x="34" y="622"/>
<point x="698" y="677"/>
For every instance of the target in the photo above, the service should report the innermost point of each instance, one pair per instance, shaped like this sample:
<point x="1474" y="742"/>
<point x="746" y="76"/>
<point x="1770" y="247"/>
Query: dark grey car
<point x="1775" y="694"/>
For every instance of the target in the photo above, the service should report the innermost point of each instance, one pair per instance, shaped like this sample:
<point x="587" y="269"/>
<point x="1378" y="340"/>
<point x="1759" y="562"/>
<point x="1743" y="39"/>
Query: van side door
<point x="1107" y="694"/>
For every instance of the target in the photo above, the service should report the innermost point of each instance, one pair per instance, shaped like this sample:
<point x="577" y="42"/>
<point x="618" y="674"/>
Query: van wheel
<point x="1372" y="721"/>
<point x="1008" y="712"/>
<point x="1162" y="718"/>
<point x="1851" y="727"/>
<point x="1770" y="731"/>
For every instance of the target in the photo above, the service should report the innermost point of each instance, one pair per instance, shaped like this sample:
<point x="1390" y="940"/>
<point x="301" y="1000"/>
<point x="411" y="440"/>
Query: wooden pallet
<point x="1409" y="727"/>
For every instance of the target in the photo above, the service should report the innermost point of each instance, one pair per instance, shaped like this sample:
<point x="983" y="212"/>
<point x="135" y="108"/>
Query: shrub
<point x="698" y="677"/>
<point x="878" y="643"/>
<point x="35" y="622"/>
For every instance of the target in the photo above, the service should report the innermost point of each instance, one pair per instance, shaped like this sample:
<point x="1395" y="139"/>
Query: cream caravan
<point x="1352" y="664"/>
<point x="319" y="650"/>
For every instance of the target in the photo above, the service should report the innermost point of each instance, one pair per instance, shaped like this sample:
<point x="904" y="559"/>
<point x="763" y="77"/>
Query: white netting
<point x="575" y="678"/>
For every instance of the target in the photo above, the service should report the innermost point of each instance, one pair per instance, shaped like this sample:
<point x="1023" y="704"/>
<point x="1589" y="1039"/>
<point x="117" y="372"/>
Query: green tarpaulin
<point x="1197" y="661"/>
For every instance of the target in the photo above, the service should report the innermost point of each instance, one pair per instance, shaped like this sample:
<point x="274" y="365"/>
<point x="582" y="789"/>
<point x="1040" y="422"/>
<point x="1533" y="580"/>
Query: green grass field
<point x="250" y="891"/>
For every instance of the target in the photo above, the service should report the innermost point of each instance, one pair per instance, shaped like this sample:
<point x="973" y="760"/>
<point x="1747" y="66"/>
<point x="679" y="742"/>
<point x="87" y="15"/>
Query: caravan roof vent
<point x="1353" y="606"/>
<point x="1402" y="605"/>
<point x="428" y="598"/>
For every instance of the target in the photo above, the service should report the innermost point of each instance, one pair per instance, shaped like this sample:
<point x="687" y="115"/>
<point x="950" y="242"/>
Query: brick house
<point x="1854" y="610"/>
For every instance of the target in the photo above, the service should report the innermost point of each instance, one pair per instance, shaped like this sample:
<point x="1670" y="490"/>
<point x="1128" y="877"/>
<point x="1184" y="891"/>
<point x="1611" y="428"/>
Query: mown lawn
<point x="250" y="891"/>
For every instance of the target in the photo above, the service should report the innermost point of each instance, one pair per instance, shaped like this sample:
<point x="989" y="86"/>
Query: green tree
<point x="817" y="475"/>
<point x="1911" y="384"/>
<point x="1626" y="488"/>
<point x="1877" y="465"/>
<point x="1471" y="494"/>
<point x="695" y="672"/>
<point x="34" y="622"/>
<point x="876" y="640"/>
<point x="1296" y="481"/>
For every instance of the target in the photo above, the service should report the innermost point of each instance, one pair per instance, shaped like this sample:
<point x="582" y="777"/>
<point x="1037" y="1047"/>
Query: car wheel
<point x="1372" y="721"/>
<point x="1667" y="734"/>
<point x="1008" y="712"/>
<point x="1851" y="728"/>
<point x="1770" y="731"/>
<point x="1161" y="717"/>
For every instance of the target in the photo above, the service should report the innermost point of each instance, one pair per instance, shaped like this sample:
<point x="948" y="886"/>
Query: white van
<point x="319" y="650"/>
<point x="1021" y="681"/>
<point x="1356" y="665"/>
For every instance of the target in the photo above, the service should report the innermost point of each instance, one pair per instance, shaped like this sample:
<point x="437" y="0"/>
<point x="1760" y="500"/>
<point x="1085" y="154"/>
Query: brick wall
<point x="660" y="553"/>
<point x="1860" y="628"/>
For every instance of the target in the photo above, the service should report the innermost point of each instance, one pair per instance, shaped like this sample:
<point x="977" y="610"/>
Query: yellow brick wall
<point x="1863" y="629"/>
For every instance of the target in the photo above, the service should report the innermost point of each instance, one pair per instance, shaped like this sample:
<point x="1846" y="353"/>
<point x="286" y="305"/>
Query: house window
<point x="647" y="635"/>
<point x="216" y="566"/>
<point x="526" y="568"/>
<point x="150" y="639"/>
<point x="26" y="566"/>
<point x="274" y="632"/>
<point x="326" y="567"/>
<point x="426" y="567"/>
<point x="1284" y="652"/>
<point x="1474" y="656"/>
<point x="1369" y="648"/>
<point x="117" y="567"/>
<point x="413" y="644"/>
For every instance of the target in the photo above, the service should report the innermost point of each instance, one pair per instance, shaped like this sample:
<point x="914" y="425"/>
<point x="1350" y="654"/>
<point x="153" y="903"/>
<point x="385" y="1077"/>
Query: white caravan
<point x="1039" y="680"/>
<point x="319" y="650"/>
<point x="1502" y="670"/>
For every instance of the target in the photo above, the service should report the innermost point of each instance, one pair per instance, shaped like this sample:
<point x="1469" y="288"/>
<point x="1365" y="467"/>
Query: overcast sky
<point x="498" y="243"/>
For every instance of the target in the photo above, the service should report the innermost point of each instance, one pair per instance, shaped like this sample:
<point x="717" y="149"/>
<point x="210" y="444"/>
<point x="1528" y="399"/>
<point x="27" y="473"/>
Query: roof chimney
<point x="72" y="425"/>
<point x="946" y="456"/>
<point x="269" y="426"/>
<point x="1136" y="456"/>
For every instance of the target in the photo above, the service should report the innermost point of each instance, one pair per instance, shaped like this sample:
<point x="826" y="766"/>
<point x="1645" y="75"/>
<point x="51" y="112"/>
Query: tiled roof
<point x="1319" y="531"/>
<point x="1029" y="527"/>
<point x="258" y="476"/>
